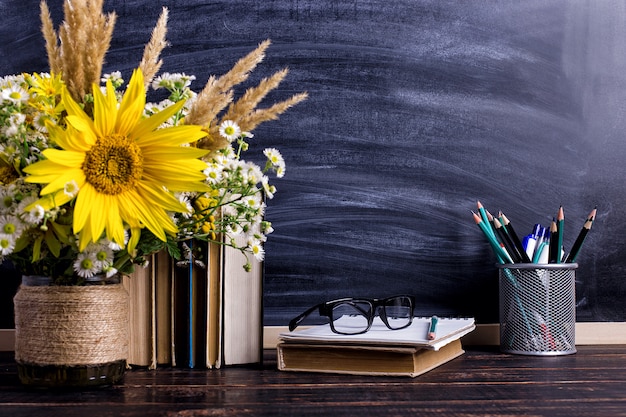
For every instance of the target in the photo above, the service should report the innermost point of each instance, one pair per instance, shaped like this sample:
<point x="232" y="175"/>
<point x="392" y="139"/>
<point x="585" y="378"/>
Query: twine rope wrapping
<point x="71" y="325"/>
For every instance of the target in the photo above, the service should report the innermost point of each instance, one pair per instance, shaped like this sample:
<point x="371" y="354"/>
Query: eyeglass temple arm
<point x="297" y="320"/>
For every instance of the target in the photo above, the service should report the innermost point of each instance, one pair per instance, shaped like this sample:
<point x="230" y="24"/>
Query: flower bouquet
<point x="94" y="178"/>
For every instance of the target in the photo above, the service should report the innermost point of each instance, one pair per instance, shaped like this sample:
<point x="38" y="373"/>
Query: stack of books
<point x="380" y="351"/>
<point x="204" y="314"/>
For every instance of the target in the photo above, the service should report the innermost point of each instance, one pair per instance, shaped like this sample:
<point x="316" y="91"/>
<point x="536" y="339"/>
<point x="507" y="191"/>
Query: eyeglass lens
<point x="395" y="312"/>
<point x="358" y="311"/>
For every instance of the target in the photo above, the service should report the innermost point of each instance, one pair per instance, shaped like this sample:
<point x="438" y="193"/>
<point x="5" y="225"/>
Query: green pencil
<point x="500" y="252"/>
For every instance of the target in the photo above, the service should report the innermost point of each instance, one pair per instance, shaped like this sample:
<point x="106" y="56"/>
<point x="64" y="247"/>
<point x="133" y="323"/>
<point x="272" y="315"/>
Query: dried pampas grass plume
<point x="217" y="97"/>
<point x="77" y="50"/>
<point x="150" y="62"/>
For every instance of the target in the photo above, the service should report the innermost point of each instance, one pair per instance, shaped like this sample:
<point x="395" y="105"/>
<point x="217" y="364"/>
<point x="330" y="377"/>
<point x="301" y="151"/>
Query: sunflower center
<point x="113" y="165"/>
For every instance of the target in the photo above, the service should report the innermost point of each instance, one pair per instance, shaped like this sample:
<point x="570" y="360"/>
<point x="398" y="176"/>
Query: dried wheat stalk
<point x="77" y="50"/>
<point x="218" y="94"/>
<point x="150" y="62"/>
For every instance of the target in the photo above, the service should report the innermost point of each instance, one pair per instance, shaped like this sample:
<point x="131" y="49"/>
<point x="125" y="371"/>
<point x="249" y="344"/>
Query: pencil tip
<point x="592" y="215"/>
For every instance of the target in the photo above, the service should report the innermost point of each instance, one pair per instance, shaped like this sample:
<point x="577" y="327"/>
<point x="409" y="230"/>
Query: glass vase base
<point x="71" y="376"/>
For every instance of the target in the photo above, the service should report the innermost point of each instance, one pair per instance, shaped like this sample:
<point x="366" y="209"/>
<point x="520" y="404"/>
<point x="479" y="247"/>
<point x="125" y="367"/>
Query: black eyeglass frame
<point x="326" y="310"/>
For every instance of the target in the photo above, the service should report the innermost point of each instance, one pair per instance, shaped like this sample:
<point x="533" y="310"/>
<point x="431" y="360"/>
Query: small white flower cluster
<point x="14" y="220"/>
<point x="96" y="259"/>
<point x="22" y="138"/>
<point x="22" y="121"/>
<point x="236" y="203"/>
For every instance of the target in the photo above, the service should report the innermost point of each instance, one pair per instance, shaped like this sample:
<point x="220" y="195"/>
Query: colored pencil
<point x="508" y="227"/>
<point x="554" y="241"/>
<point x="573" y="254"/>
<point x="501" y="254"/>
<point x="483" y="215"/>
<point x="432" y="329"/>
<point x="560" y="223"/>
<point x="508" y="242"/>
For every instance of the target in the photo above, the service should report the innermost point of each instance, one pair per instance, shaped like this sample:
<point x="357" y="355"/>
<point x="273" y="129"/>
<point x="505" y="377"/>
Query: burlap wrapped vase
<point x="71" y="336"/>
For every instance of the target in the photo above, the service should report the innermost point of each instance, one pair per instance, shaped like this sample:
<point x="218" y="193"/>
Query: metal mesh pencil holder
<point x="537" y="308"/>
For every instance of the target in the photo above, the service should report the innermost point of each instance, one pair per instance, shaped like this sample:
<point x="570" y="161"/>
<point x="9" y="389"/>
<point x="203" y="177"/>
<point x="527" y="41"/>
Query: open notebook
<point x="448" y="329"/>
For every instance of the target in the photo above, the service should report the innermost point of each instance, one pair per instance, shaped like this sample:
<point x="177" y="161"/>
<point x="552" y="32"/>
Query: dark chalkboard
<point x="417" y="110"/>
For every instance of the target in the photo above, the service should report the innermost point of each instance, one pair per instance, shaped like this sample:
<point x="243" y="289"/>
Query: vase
<point x="71" y="336"/>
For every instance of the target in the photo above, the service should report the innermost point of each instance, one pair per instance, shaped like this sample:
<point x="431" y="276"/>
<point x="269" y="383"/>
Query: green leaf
<point x="61" y="231"/>
<point x="37" y="248"/>
<point x="53" y="244"/>
<point x="21" y="243"/>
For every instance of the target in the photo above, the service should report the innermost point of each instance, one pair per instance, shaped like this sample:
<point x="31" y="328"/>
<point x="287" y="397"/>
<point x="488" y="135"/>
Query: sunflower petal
<point x="83" y="208"/>
<point x="65" y="158"/>
<point x="97" y="222"/>
<point x="154" y="218"/>
<point x="64" y="177"/>
<point x="172" y="136"/>
<point x="72" y="108"/>
<point x="135" y="234"/>
<point x="161" y="198"/>
<point x="175" y="184"/>
<point x="173" y="152"/>
<point x="104" y="109"/>
<point x="114" y="225"/>
<point x="153" y="122"/>
<point x="133" y="104"/>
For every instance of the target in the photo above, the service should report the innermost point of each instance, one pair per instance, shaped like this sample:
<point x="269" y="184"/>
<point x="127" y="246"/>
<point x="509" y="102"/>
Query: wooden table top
<point x="482" y="382"/>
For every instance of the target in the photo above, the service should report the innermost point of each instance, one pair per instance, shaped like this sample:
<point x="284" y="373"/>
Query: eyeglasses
<point x="396" y="312"/>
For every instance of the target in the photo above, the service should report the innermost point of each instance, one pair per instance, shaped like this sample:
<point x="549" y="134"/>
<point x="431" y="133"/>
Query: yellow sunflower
<point x="124" y="168"/>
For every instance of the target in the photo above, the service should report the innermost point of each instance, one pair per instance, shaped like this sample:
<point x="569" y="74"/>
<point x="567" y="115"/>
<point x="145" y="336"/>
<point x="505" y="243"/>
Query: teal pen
<point x="538" y="252"/>
<point x="432" y="329"/>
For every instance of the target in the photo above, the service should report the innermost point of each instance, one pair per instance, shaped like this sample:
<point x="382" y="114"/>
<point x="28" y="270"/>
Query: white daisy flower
<point x="15" y="94"/>
<point x="274" y="156"/>
<point x="257" y="249"/>
<point x="269" y="189"/>
<point x="7" y="244"/>
<point x="230" y="130"/>
<point x="254" y="173"/>
<point x="252" y="201"/>
<point x="103" y="254"/>
<point x="213" y="173"/>
<point x="85" y="265"/>
<point x="15" y="124"/>
<point x="71" y="189"/>
<point x="115" y="77"/>
<point x="10" y="225"/>
<point x="34" y="215"/>
<point x="234" y="229"/>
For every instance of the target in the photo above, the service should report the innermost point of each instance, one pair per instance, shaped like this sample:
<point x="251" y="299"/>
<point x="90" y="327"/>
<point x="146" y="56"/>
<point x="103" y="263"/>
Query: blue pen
<point x="540" y="234"/>
<point x="530" y="243"/>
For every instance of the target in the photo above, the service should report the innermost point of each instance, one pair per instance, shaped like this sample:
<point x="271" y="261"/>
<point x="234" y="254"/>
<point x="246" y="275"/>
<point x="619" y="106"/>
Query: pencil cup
<point x="537" y="309"/>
